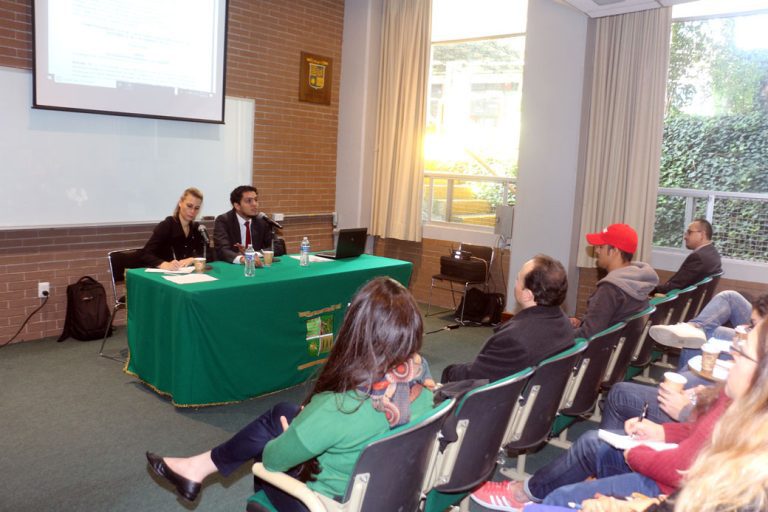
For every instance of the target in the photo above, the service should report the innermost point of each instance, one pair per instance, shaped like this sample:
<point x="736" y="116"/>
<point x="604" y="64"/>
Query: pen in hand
<point x="645" y="411"/>
<point x="643" y="414"/>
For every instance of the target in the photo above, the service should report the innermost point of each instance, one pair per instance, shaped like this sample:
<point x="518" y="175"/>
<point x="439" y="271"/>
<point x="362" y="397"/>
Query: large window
<point x="715" y="148"/>
<point x="473" y="118"/>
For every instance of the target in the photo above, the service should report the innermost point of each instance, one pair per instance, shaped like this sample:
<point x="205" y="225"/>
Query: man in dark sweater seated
<point x="538" y="331"/>
<point x="703" y="261"/>
<point x="624" y="290"/>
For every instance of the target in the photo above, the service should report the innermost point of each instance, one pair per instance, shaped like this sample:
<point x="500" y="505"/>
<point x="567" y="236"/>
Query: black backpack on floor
<point x="481" y="308"/>
<point x="87" y="311"/>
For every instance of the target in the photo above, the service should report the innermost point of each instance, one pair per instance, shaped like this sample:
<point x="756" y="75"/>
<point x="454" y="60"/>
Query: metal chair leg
<point x="106" y="333"/>
<point x="429" y="302"/>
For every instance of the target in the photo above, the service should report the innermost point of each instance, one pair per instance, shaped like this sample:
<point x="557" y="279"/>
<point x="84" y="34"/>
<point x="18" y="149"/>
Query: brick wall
<point x="294" y="153"/>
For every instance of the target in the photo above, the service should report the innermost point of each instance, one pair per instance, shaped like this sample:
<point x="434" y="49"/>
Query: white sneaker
<point x="682" y="335"/>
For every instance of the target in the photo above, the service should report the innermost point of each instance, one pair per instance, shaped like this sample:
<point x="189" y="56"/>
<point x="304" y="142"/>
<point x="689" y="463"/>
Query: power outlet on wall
<point x="43" y="290"/>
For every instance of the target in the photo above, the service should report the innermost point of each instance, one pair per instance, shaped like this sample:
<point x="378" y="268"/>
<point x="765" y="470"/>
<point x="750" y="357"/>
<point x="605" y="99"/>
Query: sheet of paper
<point x="723" y="345"/>
<point x="190" y="278"/>
<point x="312" y="258"/>
<point x="625" y="442"/>
<point x="183" y="270"/>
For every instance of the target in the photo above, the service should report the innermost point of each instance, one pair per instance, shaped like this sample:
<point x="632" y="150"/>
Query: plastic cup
<point x="709" y="354"/>
<point x="674" y="381"/>
<point x="268" y="255"/>
<point x="199" y="264"/>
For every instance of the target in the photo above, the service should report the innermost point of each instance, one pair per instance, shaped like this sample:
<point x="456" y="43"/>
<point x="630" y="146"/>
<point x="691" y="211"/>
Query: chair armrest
<point x="292" y="486"/>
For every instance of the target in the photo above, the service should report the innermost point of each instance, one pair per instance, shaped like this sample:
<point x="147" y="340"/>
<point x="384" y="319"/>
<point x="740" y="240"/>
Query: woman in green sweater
<point x="374" y="380"/>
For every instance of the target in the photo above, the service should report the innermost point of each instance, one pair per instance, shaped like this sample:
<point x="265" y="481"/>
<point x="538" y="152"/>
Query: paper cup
<point x="199" y="265"/>
<point x="674" y="381"/>
<point x="268" y="255"/>
<point x="709" y="354"/>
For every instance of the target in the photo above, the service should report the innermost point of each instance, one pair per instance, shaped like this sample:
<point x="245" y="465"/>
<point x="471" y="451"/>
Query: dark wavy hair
<point x="237" y="194"/>
<point x="382" y="328"/>
<point x="547" y="280"/>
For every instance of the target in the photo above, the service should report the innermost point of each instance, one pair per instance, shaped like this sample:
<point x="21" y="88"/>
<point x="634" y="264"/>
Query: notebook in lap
<point x="351" y="244"/>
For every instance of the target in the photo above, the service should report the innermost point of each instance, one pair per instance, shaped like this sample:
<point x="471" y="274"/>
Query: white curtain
<point x="403" y="79"/>
<point x="626" y="123"/>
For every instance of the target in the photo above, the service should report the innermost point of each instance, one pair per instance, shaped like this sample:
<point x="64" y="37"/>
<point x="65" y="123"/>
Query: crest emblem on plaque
<point x="316" y="75"/>
<point x="315" y="78"/>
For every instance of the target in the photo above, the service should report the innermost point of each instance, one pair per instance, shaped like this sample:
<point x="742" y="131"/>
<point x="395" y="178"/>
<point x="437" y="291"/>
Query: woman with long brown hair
<point x="374" y="380"/>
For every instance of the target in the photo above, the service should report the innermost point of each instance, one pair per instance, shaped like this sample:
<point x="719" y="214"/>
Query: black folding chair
<point x="479" y="252"/>
<point x="119" y="262"/>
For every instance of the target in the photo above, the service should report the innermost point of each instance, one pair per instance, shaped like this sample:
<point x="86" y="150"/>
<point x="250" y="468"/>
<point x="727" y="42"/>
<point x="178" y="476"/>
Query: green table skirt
<point x="239" y="337"/>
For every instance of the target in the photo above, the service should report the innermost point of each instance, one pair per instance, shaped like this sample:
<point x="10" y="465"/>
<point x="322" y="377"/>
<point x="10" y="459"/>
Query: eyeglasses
<point x="738" y="347"/>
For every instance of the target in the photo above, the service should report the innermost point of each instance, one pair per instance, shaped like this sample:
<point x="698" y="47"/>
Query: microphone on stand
<point x="203" y="233"/>
<point x="269" y="220"/>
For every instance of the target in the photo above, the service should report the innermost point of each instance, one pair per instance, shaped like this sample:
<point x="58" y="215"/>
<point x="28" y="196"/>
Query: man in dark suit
<point x="539" y="330"/>
<point x="702" y="262"/>
<point x="240" y="226"/>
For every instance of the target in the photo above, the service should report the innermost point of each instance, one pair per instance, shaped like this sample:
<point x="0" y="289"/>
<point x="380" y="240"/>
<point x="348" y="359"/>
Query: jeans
<point x="727" y="306"/>
<point x="626" y="400"/>
<point x="562" y="480"/>
<point x="248" y="444"/>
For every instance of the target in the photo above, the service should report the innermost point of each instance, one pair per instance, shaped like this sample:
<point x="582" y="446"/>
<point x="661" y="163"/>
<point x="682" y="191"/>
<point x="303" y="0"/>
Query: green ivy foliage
<point x="727" y="153"/>
<point x="720" y="153"/>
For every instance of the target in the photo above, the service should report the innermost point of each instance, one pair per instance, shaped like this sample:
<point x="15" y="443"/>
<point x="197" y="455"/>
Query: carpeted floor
<point x="75" y="428"/>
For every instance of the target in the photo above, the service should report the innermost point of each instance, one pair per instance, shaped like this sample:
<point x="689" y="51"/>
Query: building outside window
<point x="473" y="117"/>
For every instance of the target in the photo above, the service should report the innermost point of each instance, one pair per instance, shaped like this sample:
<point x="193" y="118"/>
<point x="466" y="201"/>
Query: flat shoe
<point x="185" y="488"/>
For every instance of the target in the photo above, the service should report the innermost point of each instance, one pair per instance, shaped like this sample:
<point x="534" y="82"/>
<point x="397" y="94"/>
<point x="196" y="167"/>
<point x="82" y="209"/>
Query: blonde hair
<point x="731" y="473"/>
<point x="191" y="191"/>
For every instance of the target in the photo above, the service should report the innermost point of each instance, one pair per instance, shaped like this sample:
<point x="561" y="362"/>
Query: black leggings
<point x="248" y="445"/>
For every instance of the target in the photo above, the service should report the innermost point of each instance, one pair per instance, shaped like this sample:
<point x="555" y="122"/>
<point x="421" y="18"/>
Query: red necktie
<point x="247" y="233"/>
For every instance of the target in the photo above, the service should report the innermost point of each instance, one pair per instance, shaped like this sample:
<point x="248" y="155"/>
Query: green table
<point x="240" y="337"/>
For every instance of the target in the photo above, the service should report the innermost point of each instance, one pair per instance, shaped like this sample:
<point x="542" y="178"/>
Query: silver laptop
<point x="351" y="244"/>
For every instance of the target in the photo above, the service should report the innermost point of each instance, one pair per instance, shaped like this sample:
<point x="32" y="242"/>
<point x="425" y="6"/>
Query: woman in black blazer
<point x="176" y="241"/>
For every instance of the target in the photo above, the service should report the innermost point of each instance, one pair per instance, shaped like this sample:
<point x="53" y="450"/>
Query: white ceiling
<point x="599" y="8"/>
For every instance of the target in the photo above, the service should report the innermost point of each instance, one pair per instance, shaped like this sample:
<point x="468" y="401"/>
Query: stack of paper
<point x="626" y="442"/>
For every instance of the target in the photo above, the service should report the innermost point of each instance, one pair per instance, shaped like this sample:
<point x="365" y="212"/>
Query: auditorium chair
<point x="472" y="437"/>
<point x="389" y="475"/>
<point x="585" y="381"/>
<point x="531" y="421"/>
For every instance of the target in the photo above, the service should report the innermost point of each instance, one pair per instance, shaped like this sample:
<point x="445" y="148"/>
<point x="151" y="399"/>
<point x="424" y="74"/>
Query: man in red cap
<point x="624" y="290"/>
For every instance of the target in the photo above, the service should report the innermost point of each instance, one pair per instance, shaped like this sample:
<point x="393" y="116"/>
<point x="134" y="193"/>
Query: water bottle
<point x="304" y="256"/>
<point x="250" y="263"/>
